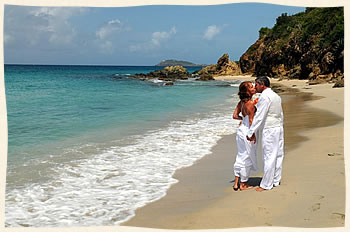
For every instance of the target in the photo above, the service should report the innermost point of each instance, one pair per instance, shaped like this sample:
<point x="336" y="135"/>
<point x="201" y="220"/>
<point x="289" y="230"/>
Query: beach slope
<point x="312" y="192"/>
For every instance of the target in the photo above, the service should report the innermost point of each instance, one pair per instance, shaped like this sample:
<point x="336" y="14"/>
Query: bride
<point x="246" y="150"/>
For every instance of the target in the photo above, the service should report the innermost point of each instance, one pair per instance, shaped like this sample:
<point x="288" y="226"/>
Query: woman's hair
<point x="243" y="91"/>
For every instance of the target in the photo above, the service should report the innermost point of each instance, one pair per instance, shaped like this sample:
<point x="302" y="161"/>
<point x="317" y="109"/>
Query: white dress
<point x="246" y="152"/>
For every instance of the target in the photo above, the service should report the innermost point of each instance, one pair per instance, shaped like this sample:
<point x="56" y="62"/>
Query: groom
<point x="269" y="118"/>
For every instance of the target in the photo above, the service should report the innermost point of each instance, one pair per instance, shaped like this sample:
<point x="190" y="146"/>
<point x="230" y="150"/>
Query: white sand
<point x="312" y="193"/>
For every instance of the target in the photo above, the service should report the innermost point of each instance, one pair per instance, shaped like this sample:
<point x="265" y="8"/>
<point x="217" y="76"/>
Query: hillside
<point x="307" y="45"/>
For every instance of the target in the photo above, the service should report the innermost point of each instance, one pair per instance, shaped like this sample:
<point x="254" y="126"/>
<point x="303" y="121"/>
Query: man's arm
<point x="260" y="115"/>
<point x="282" y="115"/>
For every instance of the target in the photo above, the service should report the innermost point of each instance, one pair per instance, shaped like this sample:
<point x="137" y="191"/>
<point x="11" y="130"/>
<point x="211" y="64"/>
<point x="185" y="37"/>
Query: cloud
<point x="212" y="31"/>
<point x="106" y="35"/>
<point x="37" y="26"/>
<point x="157" y="39"/>
<point x="108" y="29"/>
<point x="56" y="23"/>
<point x="136" y="47"/>
<point x="159" y="36"/>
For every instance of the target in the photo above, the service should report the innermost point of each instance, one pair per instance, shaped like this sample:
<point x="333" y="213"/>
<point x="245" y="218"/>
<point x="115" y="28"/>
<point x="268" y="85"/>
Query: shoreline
<point x="235" y="78"/>
<point x="195" y="203"/>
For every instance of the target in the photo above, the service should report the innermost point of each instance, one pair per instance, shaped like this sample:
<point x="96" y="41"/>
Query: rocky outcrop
<point x="169" y="73"/>
<point x="223" y="67"/>
<point x="227" y="67"/>
<point x="175" y="73"/>
<point x="339" y="83"/>
<point x="298" y="47"/>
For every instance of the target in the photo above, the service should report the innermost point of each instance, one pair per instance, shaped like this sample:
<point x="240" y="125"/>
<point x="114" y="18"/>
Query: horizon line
<point x="97" y="64"/>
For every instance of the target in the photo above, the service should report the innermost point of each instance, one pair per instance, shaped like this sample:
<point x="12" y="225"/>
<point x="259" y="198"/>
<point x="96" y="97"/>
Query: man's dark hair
<point x="263" y="80"/>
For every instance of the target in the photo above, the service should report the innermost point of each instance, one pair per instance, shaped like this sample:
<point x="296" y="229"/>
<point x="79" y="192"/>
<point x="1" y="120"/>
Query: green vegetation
<point x="177" y="62"/>
<point x="324" y="26"/>
<point x="307" y="45"/>
<point x="264" y="31"/>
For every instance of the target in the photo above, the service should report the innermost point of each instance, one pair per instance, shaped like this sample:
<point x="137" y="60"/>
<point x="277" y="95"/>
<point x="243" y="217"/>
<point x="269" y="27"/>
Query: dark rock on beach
<point x="339" y="83"/>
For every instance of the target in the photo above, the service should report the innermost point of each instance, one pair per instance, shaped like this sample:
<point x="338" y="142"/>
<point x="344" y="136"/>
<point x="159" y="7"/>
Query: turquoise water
<point x="52" y="103"/>
<point x="93" y="130"/>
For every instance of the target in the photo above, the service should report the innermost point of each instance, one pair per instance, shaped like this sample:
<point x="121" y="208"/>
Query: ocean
<point x="87" y="145"/>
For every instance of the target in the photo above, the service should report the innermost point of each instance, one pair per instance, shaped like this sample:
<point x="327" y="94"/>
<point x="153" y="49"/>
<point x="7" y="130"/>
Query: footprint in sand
<point x="334" y="154"/>
<point x="339" y="155"/>
<point x="316" y="207"/>
<point x="262" y="209"/>
<point x="339" y="215"/>
<point x="319" y="197"/>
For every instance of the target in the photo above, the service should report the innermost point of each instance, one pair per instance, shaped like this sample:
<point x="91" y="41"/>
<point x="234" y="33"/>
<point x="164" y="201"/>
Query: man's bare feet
<point x="259" y="189"/>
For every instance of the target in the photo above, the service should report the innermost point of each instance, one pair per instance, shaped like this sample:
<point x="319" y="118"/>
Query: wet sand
<point x="312" y="193"/>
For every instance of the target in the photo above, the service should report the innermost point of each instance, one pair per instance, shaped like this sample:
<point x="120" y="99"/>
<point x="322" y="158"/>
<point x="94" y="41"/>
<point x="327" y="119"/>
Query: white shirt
<point x="269" y="112"/>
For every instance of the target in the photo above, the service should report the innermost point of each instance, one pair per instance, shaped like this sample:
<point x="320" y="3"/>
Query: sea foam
<point x="107" y="188"/>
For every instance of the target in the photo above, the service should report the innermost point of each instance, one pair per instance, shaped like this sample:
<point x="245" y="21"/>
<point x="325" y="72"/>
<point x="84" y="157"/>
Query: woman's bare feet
<point x="245" y="186"/>
<point x="235" y="186"/>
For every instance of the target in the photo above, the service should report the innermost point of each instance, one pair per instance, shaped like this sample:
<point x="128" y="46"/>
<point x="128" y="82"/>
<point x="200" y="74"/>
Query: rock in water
<point x="169" y="73"/>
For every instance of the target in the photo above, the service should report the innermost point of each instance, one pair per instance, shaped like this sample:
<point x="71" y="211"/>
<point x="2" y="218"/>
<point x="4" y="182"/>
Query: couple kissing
<point x="264" y="118"/>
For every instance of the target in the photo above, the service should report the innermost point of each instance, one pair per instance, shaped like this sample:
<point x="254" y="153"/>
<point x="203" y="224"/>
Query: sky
<point x="142" y="35"/>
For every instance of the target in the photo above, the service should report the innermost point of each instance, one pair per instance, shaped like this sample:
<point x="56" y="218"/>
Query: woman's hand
<point x="252" y="139"/>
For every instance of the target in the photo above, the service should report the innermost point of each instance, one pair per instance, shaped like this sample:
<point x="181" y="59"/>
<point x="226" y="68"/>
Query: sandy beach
<point x="312" y="192"/>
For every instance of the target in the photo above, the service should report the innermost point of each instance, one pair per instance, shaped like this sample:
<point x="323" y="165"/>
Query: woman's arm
<point x="237" y="111"/>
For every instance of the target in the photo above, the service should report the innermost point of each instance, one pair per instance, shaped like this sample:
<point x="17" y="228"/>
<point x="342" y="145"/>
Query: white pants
<point x="273" y="153"/>
<point x="242" y="172"/>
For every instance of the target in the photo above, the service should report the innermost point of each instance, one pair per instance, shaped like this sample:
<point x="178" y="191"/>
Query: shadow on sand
<point x="253" y="181"/>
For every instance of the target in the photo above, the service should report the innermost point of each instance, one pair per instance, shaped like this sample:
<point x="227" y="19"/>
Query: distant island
<point x="177" y="62"/>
